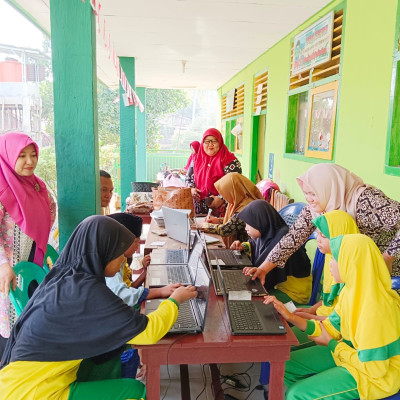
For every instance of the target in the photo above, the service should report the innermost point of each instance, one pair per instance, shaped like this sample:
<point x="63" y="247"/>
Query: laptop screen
<point x="202" y="283"/>
<point x="177" y="224"/>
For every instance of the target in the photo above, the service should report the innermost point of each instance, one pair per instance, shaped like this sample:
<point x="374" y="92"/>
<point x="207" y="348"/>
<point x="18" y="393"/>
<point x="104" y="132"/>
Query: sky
<point x="17" y="30"/>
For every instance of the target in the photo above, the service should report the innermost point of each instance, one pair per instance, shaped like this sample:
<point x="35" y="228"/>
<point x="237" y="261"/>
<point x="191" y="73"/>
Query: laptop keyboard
<point x="175" y="256"/>
<point x="177" y="274"/>
<point x="185" y="317"/>
<point x="244" y="316"/>
<point x="228" y="257"/>
<point x="234" y="281"/>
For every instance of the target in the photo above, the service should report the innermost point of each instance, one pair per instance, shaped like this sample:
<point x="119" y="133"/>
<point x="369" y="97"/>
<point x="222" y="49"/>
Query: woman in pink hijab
<point x="211" y="163"/>
<point x="329" y="187"/>
<point x="194" y="147"/>
<point x="27" y="212"/>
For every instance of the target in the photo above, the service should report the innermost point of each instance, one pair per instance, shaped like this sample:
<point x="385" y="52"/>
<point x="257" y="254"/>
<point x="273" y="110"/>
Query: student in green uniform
<point x="358" y="352"/>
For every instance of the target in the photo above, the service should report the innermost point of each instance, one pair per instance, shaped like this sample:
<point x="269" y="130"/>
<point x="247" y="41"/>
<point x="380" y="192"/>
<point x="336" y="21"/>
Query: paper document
<point x="239" y="295"/>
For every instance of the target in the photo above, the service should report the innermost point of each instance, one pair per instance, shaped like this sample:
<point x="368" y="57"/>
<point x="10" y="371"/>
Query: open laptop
<point x="192" y="313"/>
<point x="248" y="317"/>
<point x="178" y="228"/>
<point x="231" y="258"/>
<point x="163" y="274"/>
<point x="235" y="279"/>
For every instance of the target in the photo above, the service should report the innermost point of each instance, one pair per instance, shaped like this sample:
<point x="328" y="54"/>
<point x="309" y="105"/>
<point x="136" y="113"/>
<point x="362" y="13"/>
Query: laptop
<point x="163" y="274"/>
<point x="235" y="279"/>
<point x="231" y="258"/>
<point x="178" y="228"/>
<point x="248" y="317"/>
<point x="192" y="313"/>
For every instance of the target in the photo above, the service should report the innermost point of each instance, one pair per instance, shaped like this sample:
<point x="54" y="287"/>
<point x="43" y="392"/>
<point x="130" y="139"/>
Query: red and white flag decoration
<point x="132" y="97"/>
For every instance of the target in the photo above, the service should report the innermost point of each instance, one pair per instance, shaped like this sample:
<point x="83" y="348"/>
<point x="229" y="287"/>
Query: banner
<point x="313" y="46"/>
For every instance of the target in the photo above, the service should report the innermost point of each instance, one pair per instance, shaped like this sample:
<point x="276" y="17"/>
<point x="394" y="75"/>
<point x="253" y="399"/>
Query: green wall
<point x="363" y="101"/>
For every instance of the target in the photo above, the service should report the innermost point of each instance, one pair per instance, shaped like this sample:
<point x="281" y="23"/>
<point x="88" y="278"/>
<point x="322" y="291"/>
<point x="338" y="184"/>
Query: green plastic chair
<point x="49" y="258"/>
<point x="26" y="273"/>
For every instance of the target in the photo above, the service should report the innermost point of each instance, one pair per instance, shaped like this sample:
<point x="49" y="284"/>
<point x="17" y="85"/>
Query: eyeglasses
<point x="213" y="142"/>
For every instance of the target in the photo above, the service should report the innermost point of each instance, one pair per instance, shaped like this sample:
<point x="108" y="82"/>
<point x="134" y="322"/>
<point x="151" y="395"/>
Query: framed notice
<point x="313" y="46"/>
<point x="321" y="121"/>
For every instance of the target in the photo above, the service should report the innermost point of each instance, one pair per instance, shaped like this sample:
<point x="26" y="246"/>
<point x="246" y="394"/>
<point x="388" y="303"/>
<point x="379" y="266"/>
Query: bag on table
<point x="173" y="197"/>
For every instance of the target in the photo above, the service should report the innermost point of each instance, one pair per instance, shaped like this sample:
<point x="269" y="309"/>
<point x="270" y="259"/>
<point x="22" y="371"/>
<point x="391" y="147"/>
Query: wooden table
<point x="217" y="345"/>
<point x="171" y="243"/>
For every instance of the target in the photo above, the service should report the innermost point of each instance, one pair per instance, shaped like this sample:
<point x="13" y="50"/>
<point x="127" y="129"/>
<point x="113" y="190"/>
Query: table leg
<point x="216" y="383"/>
<point x="276" y="380"/>
<point x="185" y="386"/>
<point x="153" y="382"/>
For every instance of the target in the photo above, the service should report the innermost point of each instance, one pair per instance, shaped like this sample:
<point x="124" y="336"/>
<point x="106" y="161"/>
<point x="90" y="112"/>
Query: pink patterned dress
<point x="15" y="246"/>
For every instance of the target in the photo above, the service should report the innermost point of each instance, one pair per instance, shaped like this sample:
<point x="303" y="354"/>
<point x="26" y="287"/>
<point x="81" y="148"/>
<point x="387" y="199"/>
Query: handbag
<point x="173" y="197"/>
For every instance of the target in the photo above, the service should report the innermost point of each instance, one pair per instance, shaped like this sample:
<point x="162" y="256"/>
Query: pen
<point x="209" y="213"/>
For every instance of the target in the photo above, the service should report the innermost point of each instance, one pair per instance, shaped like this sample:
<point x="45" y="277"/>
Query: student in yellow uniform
<point x="265" y="227"/>
<point x="74" y="316"/>
<point x="358" y="352"/>
<point x="329" y="225"/>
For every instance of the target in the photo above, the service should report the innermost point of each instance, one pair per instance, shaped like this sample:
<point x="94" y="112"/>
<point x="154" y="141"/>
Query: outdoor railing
<point x="171" y="158"/>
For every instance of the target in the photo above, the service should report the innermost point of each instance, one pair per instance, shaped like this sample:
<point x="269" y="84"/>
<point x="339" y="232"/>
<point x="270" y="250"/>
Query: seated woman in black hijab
<point x="73" y="316"/>
<point x="265" y="227"/>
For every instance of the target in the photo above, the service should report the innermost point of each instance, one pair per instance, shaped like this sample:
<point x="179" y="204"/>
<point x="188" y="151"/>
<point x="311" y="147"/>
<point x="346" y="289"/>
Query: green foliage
<point x="46" y="169"/>
<point x="160" y="102"/>
<point x="46" y="93"/>
<point x="108" y="115"/>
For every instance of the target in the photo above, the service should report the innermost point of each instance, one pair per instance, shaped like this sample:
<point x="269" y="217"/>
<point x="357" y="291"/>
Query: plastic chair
<point x="143" y="186"/>
<point x="49" y="258"/>
<point x="395" y="282"/>
<point x="290" y="212"/>
<point x="26" y="273"/>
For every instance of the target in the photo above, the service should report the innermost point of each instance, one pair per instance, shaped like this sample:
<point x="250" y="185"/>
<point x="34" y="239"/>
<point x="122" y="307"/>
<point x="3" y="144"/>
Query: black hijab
<point x="72" y="314"/>
<point x="262" y="216"/>
<point x="132" y="222"/>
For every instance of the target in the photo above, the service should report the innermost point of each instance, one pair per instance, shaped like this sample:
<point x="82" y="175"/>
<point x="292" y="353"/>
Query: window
<point x="302" y="97"/>
<point x="392" y="166"/>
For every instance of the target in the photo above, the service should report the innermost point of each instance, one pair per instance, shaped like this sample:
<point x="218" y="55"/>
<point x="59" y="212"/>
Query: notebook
<point x="192" y="313"/>
<point x="163" y="274"/>
<point x="248" y="317"/>
<point x="235" y="279"/>
<point x="231" y="258"/>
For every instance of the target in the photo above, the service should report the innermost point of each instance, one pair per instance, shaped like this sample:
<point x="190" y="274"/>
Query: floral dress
<point x="15" y="246"/>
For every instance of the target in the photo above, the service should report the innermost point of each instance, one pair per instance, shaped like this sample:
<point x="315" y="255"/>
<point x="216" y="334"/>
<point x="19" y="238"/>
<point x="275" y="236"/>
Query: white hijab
<point x="335" y="187"/>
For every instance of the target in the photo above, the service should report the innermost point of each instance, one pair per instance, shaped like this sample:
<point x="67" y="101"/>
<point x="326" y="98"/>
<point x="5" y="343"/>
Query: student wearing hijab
<point x="211" y="163"/>
<point x="27" y="212"/>
<point x="358" y="352"/>
<point x="265" y="227"/>
<point x="194" y="147"/>
<point x="329" y="187"/>
<point x="238" y="191"/>
<point x="134" y="293"/>
<point x="72" y="315"/>
<point x="329" y="225"/>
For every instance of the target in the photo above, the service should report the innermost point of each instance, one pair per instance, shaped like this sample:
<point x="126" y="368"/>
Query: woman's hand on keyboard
<point x="237" y="245"/>
<point x="184" y="293"/>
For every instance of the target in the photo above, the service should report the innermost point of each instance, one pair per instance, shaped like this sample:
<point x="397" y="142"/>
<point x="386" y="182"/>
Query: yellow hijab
<point x="369" y="310"/>
<point x="332" y="224"/>
<point x="238" y="191"/>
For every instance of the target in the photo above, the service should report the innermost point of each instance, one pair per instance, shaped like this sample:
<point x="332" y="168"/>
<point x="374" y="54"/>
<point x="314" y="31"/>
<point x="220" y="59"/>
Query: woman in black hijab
<point x="73" y="316"/>
<point x="265" y="227"/>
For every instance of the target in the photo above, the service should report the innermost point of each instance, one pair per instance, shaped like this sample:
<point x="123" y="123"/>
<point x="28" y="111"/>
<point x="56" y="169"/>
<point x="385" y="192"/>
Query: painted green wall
<point x="363" y="102"/>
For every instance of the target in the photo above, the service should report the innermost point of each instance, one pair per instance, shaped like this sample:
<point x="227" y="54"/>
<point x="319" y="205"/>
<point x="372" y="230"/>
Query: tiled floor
<point x="200" y="384"/>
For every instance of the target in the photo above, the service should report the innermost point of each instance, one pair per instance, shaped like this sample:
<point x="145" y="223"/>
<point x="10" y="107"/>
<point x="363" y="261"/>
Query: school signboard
<point x="313" y="46"/>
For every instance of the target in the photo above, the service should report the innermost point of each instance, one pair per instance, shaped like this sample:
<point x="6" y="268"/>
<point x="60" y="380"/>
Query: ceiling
<point x="216" y="38"/>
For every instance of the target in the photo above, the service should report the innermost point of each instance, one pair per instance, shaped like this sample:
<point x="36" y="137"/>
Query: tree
<point x="46" y="169"/>
<point x="160" y="102"/>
